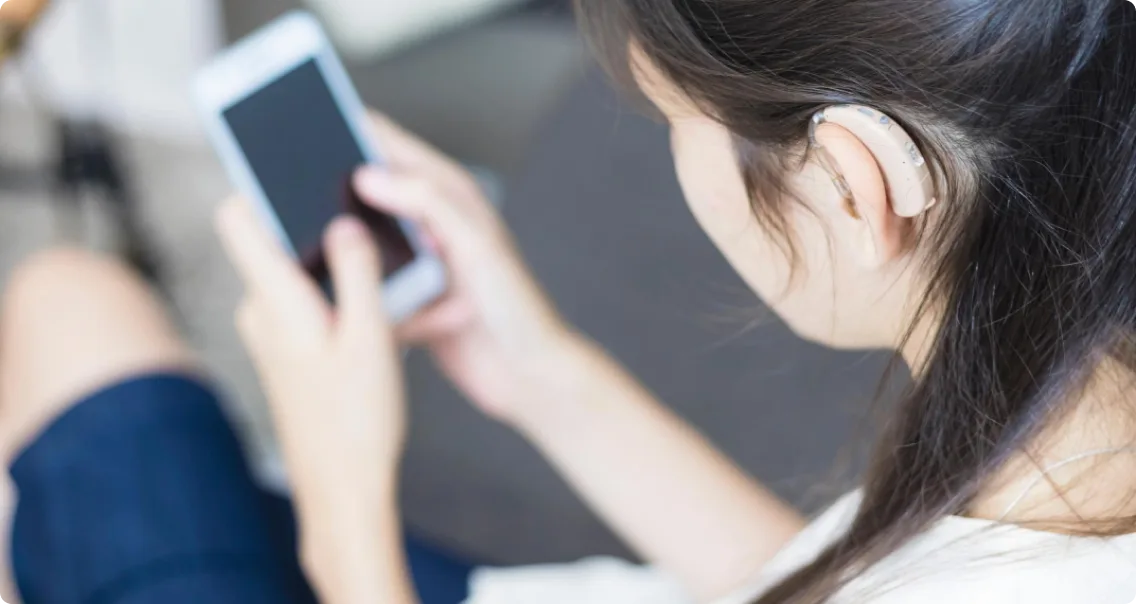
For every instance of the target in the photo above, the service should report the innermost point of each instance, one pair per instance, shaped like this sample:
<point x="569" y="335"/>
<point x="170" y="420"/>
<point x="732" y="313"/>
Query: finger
<point x="356" y="273"/>
<point x="442" y="320"/>
<point x="261" y="261"/>
<point x="429" y="241"/>
<point x="404" y="150"/>
<point x="414" y="199"/>
<point x="251" y="323"/>
<point x="256" y="332"/>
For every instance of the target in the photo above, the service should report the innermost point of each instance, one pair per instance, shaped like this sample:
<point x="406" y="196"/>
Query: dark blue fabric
<point x="140" y="494"/>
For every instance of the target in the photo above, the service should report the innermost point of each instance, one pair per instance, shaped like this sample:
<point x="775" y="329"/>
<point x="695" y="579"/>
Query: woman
<point x="955" y="180"/>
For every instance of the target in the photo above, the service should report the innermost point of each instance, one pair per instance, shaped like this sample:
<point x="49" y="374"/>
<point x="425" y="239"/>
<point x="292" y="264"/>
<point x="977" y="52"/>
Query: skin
<point x="52" y="354"/>
<point x="860" y="290"/>
<point x="869" y="264"/>
<point x="860" y="262"/>
<point x="501" y="342"/>
<point x="21" y="12"/>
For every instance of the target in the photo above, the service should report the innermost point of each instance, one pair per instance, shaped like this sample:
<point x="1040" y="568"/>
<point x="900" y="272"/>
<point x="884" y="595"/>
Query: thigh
<point x="129" y="480"/>
<point x="132" y="486"/>
<point x="439" y="576"/>
<point x="140" y="494"/>
<point x="72" y="322"/>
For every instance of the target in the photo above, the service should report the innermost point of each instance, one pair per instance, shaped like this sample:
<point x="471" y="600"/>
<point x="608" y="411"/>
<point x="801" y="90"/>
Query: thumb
<point x="415" y="199"/>
<point x="356" y="274"/>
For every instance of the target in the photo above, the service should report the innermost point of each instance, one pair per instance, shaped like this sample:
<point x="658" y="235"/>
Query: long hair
<point x="1026" y="111"/>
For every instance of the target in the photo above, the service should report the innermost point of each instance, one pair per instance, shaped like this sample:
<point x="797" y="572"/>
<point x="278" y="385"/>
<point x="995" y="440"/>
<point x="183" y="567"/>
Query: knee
<point x="59" y="281"/>
<point x="72" y="321"/>
<point x="67" y="302"/>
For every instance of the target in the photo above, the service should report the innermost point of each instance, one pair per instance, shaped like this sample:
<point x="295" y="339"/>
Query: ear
<point x="885" y="174"/>
<point x="876" y="233"/>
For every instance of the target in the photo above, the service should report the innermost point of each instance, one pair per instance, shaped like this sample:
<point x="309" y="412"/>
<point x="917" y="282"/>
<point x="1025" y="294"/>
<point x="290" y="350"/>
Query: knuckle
<point x="422" y="189"/>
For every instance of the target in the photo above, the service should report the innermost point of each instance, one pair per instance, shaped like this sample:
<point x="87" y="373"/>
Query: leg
<point x="439" y="576"/>
<point x="149" y="459"/>
<point x="70" y="324"/>
<point x="132" y="486"/>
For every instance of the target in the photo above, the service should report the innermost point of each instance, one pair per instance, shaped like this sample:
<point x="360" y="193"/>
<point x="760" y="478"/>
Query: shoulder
<point x="832" y="524"/>
<point x="979" y="561"/>
<point x="963" y="560"/>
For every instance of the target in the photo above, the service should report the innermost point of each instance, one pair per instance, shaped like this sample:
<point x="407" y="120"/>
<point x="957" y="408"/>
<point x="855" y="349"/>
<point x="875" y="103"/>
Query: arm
<point x="333" y="379"/>
<point x="680" y="503"/>
<point x="352" y="558"/>
<point x="659" y="484"/>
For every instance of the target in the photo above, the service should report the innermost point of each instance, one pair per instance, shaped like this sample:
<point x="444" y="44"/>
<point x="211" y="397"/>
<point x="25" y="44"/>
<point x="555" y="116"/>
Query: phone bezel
<point x="257" y="61"/>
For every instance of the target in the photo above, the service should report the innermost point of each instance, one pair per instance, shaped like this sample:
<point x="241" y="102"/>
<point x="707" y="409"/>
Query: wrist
<point x="341" y="503"/>
<point x="356" y="560"/>
<point x="334" y="535"/>
<point x="559" y="383"/>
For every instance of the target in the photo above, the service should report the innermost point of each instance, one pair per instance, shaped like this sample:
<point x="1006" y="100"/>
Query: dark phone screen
<point x="303" y="153"/>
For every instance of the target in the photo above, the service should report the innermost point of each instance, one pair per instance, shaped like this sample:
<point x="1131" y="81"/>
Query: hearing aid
<point x="910" y="185"/>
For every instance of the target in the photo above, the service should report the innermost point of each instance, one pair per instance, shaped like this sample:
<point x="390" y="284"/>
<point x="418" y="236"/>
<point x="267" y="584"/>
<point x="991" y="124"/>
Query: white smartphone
<point x="291" y="130"/>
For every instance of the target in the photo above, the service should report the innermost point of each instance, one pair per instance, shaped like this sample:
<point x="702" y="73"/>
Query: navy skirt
<point x="140" y="494"/>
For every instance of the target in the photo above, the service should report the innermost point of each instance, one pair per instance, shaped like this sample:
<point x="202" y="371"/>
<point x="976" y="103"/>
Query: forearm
<point x="671" y="495"/>
<point x="353" y="555"/>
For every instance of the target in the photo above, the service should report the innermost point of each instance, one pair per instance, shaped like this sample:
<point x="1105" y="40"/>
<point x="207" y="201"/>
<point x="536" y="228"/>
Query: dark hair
<point x="1027" y="114"/>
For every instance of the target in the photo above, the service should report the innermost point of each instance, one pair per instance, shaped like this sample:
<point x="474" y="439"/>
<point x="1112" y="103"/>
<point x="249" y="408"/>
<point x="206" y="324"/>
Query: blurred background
<point x="100" y="145"/>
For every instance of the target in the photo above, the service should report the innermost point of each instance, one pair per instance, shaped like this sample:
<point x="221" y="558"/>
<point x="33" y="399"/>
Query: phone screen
<point x="303" y="152"/>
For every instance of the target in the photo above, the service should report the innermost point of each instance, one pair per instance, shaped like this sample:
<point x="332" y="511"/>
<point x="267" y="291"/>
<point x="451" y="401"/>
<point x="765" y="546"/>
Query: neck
<point x="1080" y="473"/>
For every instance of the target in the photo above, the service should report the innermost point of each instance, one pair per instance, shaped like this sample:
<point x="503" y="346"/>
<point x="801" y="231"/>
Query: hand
<point x="494" y="334"/>
<point x="332" y="375"/>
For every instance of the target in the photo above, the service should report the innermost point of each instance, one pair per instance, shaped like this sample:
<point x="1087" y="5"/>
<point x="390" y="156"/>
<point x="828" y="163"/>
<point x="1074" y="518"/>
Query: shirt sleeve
<point x="595" y="580"/>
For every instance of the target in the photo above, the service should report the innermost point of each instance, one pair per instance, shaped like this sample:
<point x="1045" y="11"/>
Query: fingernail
<point x="372" y="180"/>
<point x="348" y="230"/>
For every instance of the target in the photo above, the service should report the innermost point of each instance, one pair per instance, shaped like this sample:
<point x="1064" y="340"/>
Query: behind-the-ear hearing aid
<point x="912" y="190"/>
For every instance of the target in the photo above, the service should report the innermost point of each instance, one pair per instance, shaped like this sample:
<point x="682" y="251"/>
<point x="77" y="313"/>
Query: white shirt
<point x="957" y="561"/>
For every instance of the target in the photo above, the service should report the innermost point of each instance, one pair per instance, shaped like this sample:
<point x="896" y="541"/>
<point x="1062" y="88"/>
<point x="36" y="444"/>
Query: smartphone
<point x="291" y="130"/>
